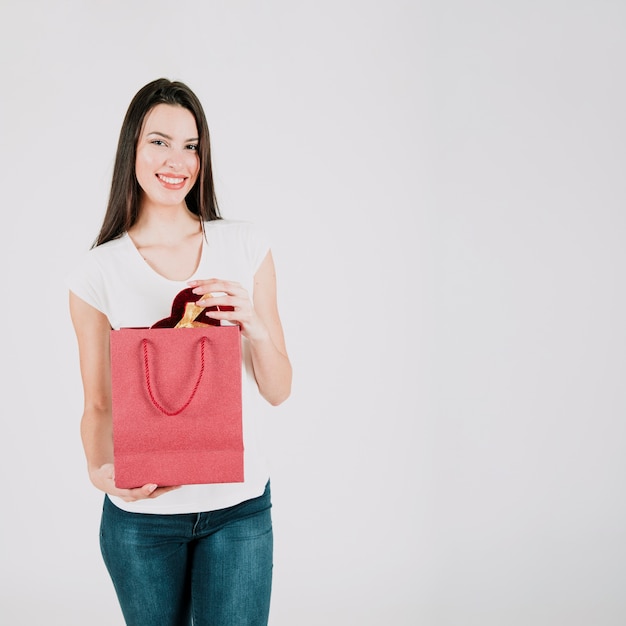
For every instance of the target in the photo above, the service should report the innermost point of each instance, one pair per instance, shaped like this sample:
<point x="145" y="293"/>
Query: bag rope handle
<point x="155" y="402"/>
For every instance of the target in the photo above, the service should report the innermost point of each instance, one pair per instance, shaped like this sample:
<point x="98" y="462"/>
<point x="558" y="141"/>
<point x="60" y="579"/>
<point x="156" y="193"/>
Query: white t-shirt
<point x="115" y="279"/>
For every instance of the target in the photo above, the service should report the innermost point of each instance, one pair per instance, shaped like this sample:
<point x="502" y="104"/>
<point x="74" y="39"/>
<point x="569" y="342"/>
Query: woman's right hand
<point x="93" y="332"/>
<point x="104" y="479"/>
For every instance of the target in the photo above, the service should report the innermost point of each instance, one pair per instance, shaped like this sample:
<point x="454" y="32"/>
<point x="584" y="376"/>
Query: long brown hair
<point x="123" y="207"/>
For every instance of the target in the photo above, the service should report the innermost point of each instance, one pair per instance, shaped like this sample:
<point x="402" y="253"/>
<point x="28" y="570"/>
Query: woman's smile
<point x="172" y="182"/>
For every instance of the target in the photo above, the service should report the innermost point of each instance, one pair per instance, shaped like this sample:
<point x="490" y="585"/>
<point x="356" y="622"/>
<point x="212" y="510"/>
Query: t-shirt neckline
<point x="153" y="272"/>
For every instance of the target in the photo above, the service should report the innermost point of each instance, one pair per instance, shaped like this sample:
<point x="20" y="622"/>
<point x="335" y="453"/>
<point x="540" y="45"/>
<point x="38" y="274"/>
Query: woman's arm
<point x="260" y="324"/>
<point x="96" y="427"/>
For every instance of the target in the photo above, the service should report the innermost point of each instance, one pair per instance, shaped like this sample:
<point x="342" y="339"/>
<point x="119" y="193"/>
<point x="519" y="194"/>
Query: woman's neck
<point x="164" y="225"/>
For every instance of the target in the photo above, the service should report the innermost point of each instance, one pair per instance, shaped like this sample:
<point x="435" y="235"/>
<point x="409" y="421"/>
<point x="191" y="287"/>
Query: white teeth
<point x="171" y="181"/>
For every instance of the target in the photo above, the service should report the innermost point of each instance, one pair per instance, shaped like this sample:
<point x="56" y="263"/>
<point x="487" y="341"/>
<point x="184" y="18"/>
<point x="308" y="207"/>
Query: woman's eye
<point x="158" y="142"/>
<point x="192" y="146"/>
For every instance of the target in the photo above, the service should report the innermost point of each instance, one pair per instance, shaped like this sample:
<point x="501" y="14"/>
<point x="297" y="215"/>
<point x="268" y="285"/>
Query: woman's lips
<point x="172" y="182"/>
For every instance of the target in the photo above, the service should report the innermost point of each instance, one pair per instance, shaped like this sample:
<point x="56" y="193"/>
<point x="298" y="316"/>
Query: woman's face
<point x="167" y="162"/>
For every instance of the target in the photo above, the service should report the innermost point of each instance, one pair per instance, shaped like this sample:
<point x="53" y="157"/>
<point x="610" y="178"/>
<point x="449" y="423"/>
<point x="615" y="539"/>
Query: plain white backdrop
<point x="443" y="183"/>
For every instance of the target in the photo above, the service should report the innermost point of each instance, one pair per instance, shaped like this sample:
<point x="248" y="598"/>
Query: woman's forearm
<point x="96" y="429"/>
<point x="272" y="370"/>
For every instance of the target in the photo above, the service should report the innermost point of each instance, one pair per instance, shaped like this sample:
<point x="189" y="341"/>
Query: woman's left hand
<point x="225" y="293"/>
<point x="257" y="316"/>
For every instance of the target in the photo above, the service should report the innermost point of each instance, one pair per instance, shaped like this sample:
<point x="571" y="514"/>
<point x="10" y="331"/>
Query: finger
<point x="139" y="493"/>
<point x="198" y="283"/>
<point x="224" y="302"/>
<point x="237" y="316"/>
<point x="215" y="285"/>
<point x="159" y="491"/>
<point x="145" y="492"/>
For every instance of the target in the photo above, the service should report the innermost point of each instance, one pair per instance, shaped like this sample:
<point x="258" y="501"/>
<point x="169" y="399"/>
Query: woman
<point x="177" y="553"/>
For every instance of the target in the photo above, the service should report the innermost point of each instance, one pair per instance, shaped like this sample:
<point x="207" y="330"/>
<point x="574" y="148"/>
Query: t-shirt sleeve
<point x="257" y="245"/>
<point x="87" y="282"/>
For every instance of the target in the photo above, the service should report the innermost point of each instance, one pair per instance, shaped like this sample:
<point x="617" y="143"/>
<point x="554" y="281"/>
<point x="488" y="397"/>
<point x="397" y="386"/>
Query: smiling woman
<point x="167" y="156"/>
<point x="177" y="553"/>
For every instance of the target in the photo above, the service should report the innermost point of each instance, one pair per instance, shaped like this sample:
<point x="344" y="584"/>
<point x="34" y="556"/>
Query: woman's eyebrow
<point x="160" y="134"/>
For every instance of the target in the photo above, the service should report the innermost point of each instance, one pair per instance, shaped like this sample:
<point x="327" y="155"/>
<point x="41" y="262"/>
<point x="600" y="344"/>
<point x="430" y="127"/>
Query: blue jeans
<point x="205" y="569"/>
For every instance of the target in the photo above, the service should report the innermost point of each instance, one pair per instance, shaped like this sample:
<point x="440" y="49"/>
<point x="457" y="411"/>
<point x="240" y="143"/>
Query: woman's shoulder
<point x="105" y="255"/>
<point x="107" y="252"/>
<point x="225" y="224"/>
<point x="111" y="246"/>
<point x="244" y="230"/>
<point x="238" y="237"/>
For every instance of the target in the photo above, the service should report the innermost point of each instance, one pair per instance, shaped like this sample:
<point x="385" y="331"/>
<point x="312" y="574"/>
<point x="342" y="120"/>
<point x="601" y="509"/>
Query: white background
<point x="443" y="182"/>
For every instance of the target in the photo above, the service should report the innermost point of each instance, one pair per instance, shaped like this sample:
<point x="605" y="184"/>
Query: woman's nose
<point x="175" y="159"/>
<point x="174" y="162"/>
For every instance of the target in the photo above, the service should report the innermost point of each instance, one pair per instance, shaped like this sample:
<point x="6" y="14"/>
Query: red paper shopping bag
<point x="176" y="396"/>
